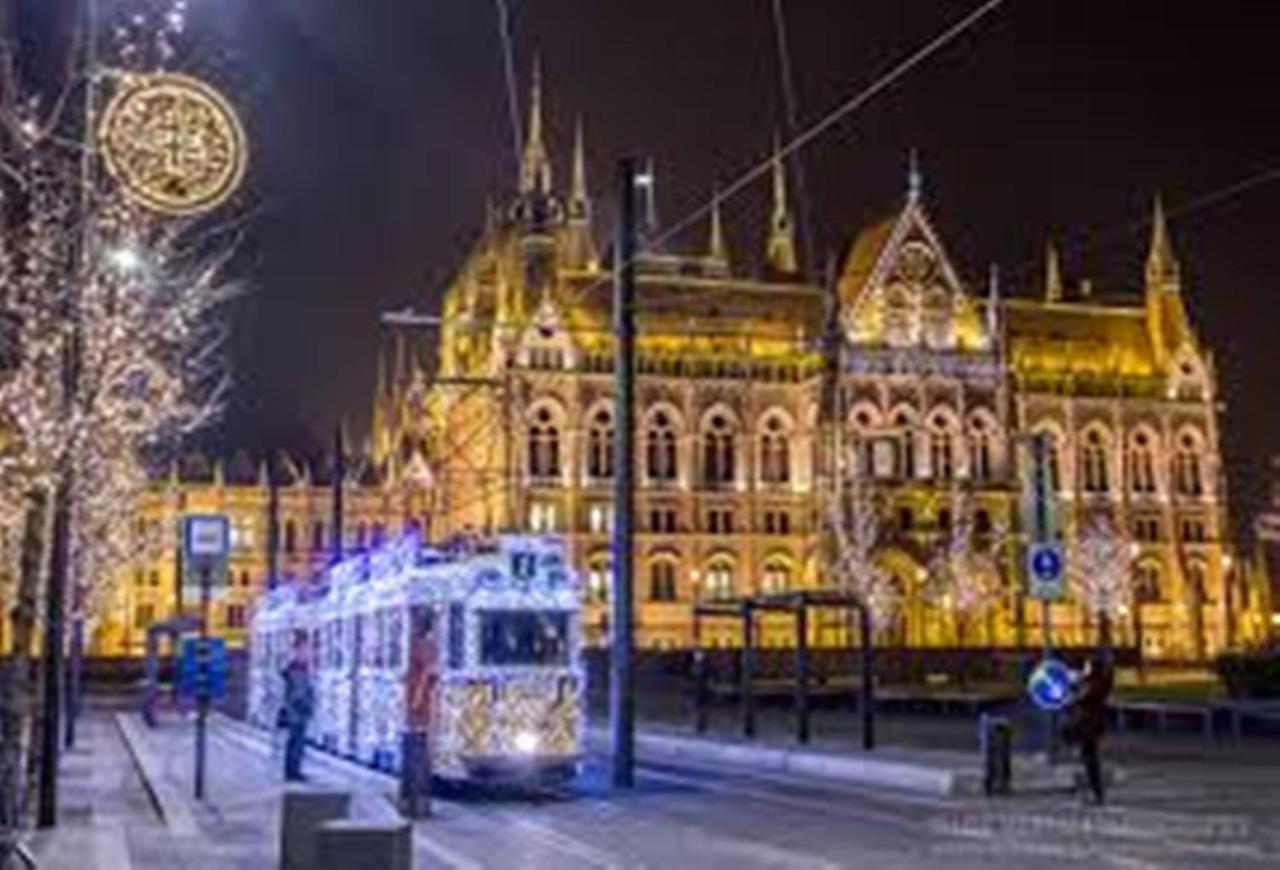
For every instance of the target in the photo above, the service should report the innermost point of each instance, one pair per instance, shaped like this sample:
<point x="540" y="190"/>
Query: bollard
<point x="415" y="774"/>
<point x="995" y="740"/>
<point x="301" y="817"/>
<point x="352" y="844"/>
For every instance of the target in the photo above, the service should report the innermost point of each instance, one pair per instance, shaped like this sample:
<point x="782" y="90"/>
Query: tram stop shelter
<point x="800" y="605"/>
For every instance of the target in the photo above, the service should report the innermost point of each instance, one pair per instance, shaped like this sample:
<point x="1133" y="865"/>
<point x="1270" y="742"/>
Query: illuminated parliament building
<point x="938" y="377"/>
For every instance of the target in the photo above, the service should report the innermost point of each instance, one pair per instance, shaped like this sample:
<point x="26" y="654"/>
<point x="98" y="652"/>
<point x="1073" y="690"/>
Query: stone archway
<point x="908" y="625"/>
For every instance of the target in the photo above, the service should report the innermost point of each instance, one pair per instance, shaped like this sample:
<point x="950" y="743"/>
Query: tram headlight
<point x="527" y="742"/>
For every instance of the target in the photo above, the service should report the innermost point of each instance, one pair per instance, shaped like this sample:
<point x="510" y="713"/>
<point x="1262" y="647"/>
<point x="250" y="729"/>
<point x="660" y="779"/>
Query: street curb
<point x="935" y="779"/>
<point x="171" y="808"/>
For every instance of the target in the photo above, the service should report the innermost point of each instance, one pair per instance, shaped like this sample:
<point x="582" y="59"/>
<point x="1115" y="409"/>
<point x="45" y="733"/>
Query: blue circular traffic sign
<point x="1050" y="684"/>
<point x="1046" y="564"/>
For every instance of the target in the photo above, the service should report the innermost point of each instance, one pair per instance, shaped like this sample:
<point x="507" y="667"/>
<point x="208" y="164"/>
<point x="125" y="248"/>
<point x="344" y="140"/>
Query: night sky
<point x="381" y="125"/>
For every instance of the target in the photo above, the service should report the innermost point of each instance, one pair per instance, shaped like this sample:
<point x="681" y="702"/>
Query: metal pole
<point x="867" y="701"/>
<point x="802" y="673"/>
<point x="621" y="672"/>
<point x="747" y="672"/>
<point x="202" y="682"/>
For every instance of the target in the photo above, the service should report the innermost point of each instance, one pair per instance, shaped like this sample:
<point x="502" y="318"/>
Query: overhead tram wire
<point x="819" y="127"/>
<point x="509" y="75"/>
<point x="1205" y="200"/>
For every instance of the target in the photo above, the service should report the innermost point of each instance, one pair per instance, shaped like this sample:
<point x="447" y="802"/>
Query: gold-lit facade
<point x="146" y="591"/>
<point x="939" y="378"/>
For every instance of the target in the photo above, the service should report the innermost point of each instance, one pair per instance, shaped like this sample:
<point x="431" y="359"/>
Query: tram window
<point x="522" y="637"/>
<point x="457" y="636"/>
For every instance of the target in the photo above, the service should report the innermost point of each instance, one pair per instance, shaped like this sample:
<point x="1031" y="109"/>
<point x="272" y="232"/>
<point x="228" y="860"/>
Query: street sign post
<point x="1046" y="568"/>
<point x="206" y="544"/>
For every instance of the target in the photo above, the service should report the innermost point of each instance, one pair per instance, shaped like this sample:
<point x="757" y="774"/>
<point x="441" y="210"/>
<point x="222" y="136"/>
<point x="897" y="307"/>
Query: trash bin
<point x="995" y="743"/>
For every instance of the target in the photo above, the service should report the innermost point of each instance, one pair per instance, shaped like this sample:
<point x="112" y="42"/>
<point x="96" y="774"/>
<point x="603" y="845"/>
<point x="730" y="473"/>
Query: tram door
<point x="424" y="667"/>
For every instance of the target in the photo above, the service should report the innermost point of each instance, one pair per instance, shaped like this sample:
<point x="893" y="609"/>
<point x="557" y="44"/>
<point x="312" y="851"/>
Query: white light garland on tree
<point x="966" y="571"/>
<point x="856" y="522"/>
<point x="1100" y="568"/>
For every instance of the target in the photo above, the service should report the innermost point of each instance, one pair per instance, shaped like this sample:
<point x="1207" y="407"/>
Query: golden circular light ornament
<point x="173" y="143"/>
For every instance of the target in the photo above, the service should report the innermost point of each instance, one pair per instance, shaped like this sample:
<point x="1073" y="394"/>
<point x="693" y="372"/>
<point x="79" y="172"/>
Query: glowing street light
<point x="125" y="259"/>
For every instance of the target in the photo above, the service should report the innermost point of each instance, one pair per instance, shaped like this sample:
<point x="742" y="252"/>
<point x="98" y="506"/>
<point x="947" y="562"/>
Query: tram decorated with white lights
<point x="478" y="645"/>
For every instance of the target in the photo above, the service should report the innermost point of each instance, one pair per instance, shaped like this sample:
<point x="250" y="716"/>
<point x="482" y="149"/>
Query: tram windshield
<point x="524" y="637"/>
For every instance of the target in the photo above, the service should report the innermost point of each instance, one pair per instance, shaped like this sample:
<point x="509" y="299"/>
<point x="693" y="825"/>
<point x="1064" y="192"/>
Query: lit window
<point x="777" y="578"/>
<point x="662" y="581"/>
<point x="719" y="584"/>
<point x="599" y="581"/>
<point x="542" y="516"/>
<point x="775" y="454"/>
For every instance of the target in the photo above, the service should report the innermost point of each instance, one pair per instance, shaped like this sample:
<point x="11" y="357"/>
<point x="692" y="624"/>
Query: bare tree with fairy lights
<point x="1100" y="569"/>
<point x="111" y="351"/>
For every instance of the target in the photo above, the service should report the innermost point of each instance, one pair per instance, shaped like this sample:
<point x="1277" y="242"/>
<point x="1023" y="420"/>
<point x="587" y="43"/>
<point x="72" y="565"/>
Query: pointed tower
<point x="780" y="252"/>
<point x="1052" y="274"/>
<point x="380" y="424"/>
<point x="1167" y="319"/>
<point x="535" y="167"/>
<point x="717" y="249"/>
<point x="915" y="180"/>
<point x="993" y="303"/>
<point x="649" y="188"/>
<point x="1163" y="271"/>
<point x="580" y="247"/>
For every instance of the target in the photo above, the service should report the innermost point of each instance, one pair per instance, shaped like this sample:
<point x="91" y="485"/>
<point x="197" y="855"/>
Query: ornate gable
<point x="899" y="289"/>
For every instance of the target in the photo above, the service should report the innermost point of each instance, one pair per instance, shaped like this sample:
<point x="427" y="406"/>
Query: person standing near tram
<point x="296" y="710"/>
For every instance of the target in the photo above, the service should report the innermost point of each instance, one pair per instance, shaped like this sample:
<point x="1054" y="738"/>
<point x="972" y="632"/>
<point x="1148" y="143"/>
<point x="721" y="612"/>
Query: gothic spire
<point x="1052" y="274"/>
<point x="535" y="168"/>
<point x="915" y="181"/>
<point x="581" y="247"/>
<point x="649" y="186"/>
<point x="780" y="252"/>
<point x="993" y="302"/>
<point x="1162" y="265"/>
<point x="580" y="200"/>
<point x="716" y="248"/>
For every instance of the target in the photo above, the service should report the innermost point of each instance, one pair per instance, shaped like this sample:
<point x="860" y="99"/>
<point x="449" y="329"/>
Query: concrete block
<point x="355" y="844"/>
<point x="303" y="813"/>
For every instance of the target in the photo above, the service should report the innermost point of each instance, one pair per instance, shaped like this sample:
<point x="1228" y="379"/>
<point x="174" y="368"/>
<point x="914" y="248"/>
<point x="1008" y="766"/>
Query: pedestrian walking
<point x="296" y="710"/>
<point x="1087" y="719"/>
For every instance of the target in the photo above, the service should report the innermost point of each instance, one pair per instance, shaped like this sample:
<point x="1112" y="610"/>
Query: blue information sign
<point x="1050" y="685"/>
<point x="207" y="672"/>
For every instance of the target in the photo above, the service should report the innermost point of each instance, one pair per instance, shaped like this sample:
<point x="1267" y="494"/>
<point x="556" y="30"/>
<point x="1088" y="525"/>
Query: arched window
<point x="718" y="465"/>
<point x="1142" y="464"/>
<point x="777" y="577"/>
<point x="662" y="580"/>
<point x="942" y="450"/>
<point x="1197" y="581"/>
<point x="980" y="450"/>
<point x="290" y="536"/>
<point x="1093" y="460"/>
<point x="544" y="445"/>
<point x="906" y="446"/>
<point x="1146" y="584"/>
<point x="660" y="448"/>
<point x="600" y="446"/>
<point x="1187" y="473"/>
<point x="719" y="580"/>
<point x="317" y="535"/>
<point x="775" y="455"/>
<point x="599" y="579"/>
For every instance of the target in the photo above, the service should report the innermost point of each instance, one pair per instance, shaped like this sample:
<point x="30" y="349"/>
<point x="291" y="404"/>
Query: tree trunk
<point x="17" y="685"/>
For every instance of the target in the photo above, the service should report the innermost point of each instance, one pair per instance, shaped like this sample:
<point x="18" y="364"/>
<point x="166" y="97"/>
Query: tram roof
<point x="507" y="571"/>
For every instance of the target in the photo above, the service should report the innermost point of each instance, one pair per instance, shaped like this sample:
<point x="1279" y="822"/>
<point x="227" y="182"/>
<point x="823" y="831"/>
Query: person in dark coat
<point x="1089" y="719"/>
<point x="299" y="704"/>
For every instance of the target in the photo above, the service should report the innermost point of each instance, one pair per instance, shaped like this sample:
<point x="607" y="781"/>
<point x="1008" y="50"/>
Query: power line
<point x="1200" y="203"/>
<point x="509" y="73"/>
<point x="822" y="125"/>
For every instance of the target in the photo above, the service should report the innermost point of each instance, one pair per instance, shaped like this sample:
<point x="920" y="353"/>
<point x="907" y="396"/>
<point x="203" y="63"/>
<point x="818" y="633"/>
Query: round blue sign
<point x="1050" y="685"/>
<point x="1047" y="564"/>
